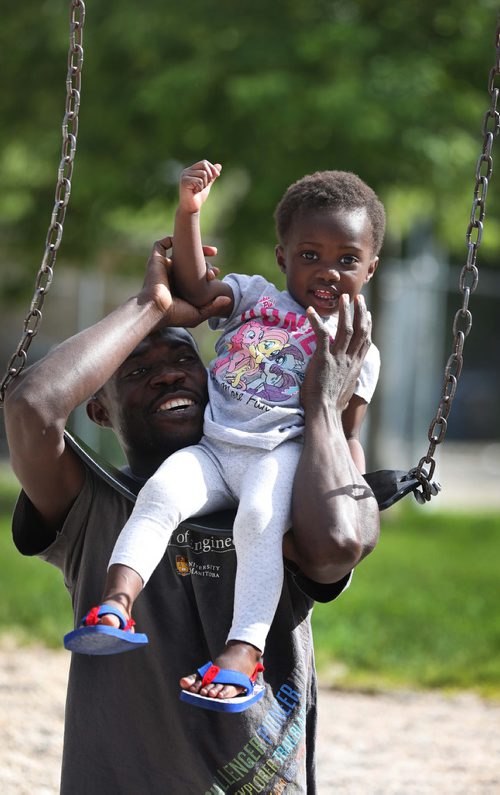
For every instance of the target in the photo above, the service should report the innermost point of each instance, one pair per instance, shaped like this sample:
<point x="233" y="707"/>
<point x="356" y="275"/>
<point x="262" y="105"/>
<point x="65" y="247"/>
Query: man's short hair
<point x="335" y="190"/>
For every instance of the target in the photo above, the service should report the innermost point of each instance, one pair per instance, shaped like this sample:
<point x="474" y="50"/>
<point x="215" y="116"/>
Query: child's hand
<point x="158" y="287"/>
<point x="195" y="184"/>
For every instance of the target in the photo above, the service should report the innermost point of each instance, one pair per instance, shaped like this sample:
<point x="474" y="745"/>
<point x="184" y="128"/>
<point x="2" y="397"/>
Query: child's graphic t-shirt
<point x="262" y="357"/>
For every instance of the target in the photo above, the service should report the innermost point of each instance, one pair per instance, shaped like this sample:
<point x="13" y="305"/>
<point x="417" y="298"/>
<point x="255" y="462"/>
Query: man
<point x="126" y="730"/>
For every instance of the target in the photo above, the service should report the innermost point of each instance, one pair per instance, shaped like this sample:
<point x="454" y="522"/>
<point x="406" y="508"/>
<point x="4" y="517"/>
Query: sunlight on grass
<point x="34" y="604"/>
<point x="421" y="610"/>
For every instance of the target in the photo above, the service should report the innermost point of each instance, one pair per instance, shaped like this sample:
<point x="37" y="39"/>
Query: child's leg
<point x="185" y="484"/>
<point x="264" y="482"/>
<point x="264" y="515"/>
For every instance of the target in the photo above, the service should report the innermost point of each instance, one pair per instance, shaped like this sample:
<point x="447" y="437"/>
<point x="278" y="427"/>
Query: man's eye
<point x="186" y="357"/>
<point x="138" y="371"/>
<point x="310" y="256"/>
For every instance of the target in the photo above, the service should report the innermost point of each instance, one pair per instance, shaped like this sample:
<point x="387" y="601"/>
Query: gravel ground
<point x="401" y="743"/>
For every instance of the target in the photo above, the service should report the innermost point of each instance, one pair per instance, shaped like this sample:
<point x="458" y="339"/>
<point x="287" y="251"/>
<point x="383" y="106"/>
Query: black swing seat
<point x="388" y="485"/>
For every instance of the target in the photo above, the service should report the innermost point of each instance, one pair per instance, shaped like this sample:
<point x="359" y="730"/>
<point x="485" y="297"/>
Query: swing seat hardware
<point x="426" y="489"/>
<point x="388" y="485"/>
<point x="391" y="485"/>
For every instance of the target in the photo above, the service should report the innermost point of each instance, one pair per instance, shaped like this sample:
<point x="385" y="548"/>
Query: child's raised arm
<point x="190" y="270"/>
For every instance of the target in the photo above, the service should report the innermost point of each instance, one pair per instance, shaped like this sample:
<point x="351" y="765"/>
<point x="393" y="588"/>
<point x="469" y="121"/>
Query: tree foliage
<point x="394" y="92"/>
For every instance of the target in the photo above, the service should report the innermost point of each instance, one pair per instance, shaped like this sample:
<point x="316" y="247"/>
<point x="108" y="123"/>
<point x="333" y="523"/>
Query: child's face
<point x="327" y="253"/>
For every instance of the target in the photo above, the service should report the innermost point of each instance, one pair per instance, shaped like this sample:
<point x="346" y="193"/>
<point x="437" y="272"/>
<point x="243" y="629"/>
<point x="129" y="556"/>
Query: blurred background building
<point x="414" y="302"/>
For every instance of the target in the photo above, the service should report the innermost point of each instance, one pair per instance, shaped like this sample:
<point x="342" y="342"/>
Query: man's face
<point x="327" y="253"/>
<point x="156" y="400"/>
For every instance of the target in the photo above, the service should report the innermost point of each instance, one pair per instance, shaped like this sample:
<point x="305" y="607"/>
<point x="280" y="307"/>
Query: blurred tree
<point x="394" y="92"/>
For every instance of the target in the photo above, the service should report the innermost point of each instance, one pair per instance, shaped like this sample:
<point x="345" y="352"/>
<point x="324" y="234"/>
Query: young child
<point x="330" y="227"/>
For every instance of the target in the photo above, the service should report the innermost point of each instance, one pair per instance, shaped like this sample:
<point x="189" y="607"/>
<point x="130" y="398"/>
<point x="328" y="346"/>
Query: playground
<point x="409" y="696"/>
<point x="375" y="744"/>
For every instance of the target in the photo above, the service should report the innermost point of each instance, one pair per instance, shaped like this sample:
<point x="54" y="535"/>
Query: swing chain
<point x="469" y="276"/>
<point x="45" y="275"/>
<point x="468" y="279"/>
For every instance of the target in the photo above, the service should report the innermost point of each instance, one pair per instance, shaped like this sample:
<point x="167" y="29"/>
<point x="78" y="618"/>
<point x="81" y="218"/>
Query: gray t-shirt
<point x="262" y="356"/>
<point x="126" y="731"/>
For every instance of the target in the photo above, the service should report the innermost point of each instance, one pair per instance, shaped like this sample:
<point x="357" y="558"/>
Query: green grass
<point x="34" y="604"/>
<point x="422" y="611"/>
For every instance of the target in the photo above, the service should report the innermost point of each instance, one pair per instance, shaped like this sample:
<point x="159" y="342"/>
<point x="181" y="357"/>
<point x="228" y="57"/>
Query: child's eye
<point x="310" y="256"/>
<point x="348" y="259"/>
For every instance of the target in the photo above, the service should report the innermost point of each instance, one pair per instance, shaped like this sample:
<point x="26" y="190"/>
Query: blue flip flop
<point x="93" y="638"/>
<point x="225" y="676"/>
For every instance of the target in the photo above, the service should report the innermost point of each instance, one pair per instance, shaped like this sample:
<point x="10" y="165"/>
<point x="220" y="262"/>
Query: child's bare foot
<point x="111" y="620"/>
<point x="108" y="627"/>
<point x="123" y="585"/>
<point x="237" y="656"/>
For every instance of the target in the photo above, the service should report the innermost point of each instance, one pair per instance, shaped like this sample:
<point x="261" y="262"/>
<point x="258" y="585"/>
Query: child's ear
<point x="280" y="258"/>
<point x="372" y="268"/>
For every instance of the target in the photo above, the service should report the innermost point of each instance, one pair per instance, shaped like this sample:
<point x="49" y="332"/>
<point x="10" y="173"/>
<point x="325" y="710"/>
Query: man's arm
<point x="334" y="513"/>
<point x="39" y="401"/>
<point x="189" y="262"/>
<point x="352" y="420"/>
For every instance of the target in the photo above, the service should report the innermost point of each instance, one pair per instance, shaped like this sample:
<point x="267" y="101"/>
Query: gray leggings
<point x="208" y="477"/>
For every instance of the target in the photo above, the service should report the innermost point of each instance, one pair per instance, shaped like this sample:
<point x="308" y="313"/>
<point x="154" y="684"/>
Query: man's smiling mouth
<point x="175" y="404"/>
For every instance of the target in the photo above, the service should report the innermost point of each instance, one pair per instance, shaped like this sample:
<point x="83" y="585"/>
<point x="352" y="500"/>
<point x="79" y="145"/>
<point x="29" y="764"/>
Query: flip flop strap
<point x="93" y="616"/>
<point x="211" y="673"/>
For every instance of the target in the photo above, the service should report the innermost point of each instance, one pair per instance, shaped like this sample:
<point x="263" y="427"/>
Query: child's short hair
<point x="330" y="190"/>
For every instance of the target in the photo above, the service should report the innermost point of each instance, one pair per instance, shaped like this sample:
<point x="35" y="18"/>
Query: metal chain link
<point x="469" y="276"/>
<point x="63" y="190"/>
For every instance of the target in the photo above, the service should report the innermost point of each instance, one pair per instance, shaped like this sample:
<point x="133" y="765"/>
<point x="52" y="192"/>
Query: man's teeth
<point x="175" y="403"/>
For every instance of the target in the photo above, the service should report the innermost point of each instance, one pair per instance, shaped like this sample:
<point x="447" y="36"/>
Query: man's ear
<point x="98" y="413"/>
<point x="280" y="258"/>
